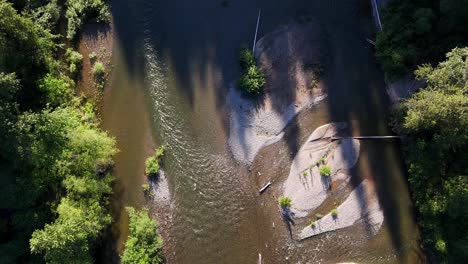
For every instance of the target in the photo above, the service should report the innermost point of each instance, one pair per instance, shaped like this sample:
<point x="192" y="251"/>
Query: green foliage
<point x="60" y="148"/>
<point x="418" y="32"/>
<point x="325" y="170"/>
<point x="284" y="201"/>
<point x="146" y="188"/>
<point x="313" y="224"/>
<point x="25" y="49"/>
<point x="144" y="245"/>
<point x="80" y="11"/>
<point x="99" y="72"/>
<point x="318" y="216"/>
<point x="47" y="15"/>
<point x="50" y="147"/>
<point x="435" y="122"/>
<point x="57" y="91"/>
<point x="153" y="162"/>
<point x="334" y="212"/>
<point x="9" y="87"/>
<point x="75" y="59"/>
<point x="252" y="79"/>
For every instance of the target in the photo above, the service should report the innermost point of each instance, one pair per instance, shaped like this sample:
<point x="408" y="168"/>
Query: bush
<point x="57" y="90"/>
<point x="153" y="162"/>
<point x="318" y="216"/>
<point x="334" y="212"/>
<point x="313" y="224"/>
<point x="252" y="79"/>
<point x="144" y="244"/>
<point x="325" y="170"/>
<point x="75" y="59"/>
<point x="285" y="201"/>
<point x="99" y="70"/>
<point x="152" y="166"/>
<point x="146" y="188"/>
<point x="99" y="73"/>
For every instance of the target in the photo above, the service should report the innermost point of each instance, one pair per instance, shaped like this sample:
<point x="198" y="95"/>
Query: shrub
<point x="325" y="170"/>
<point x="99" y="73"/>
<point x="152" y="166"/>
<point x="285" y="201"/>
<point x="313" y="224"/>
<point x="334" y="212"/>
<point x="318" y="216"/>
<point x="75" y="59"/>
<point x="153" y="162"/>
<point x="252" y="79"/>
<point x="146" y="188"/>
<point x="144" y="244"/>
<point x="160" y="152"/>
<point x="99" y="70"/>
<point x="57" y="90"/>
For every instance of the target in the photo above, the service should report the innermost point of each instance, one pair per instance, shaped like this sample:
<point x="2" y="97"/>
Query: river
<point x="173" y="63"/>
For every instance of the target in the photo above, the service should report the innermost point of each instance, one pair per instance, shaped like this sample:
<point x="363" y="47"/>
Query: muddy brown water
<point x="174" y="61"/>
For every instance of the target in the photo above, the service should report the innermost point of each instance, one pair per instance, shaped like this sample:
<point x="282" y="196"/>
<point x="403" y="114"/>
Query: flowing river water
<point x="174" y="61"/>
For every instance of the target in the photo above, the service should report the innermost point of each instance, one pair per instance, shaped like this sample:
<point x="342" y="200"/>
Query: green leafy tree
<point x="435" y="122"/>
<point x="26" y="49"/>
<point x="252" y="79"/>
<point x="144" y="245"/>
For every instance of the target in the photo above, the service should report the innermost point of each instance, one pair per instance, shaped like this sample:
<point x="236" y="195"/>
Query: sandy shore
<point x="289" y="58"/>
<point x="361" y="205"/>
<point x="304" y="185"/>
<point x="252" y="128"/>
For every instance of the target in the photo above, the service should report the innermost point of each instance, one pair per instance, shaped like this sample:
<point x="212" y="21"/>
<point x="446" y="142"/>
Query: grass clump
<point x="153" y="162"/>
<point x="252" y="79"/>
<point x="325" y="170"/>
<point x="313" y="224"/>
<point x="285" y="201"/>
<point x="334" y="212"/>
<point x="318" y="216"/>
<point x="320" y="161"/>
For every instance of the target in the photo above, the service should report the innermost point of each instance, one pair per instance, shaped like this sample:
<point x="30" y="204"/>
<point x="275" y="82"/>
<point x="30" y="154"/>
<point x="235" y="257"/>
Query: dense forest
<point x="419" y="31"/>
<point x="434" y="120"/>
<point x="55" y="161"/>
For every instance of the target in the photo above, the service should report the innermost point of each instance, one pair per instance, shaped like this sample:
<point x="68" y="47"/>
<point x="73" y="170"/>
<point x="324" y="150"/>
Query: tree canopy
<point x="435" y="121"/>
<point x="419" y="31"/>
<point x="144" y="245"/>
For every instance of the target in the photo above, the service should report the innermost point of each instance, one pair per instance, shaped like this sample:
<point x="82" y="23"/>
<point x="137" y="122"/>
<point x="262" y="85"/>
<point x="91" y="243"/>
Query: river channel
<point x="174" y="61"/>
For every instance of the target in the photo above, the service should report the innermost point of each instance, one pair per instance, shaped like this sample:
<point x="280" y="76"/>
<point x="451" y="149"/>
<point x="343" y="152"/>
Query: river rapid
<point x="174" y="62"/>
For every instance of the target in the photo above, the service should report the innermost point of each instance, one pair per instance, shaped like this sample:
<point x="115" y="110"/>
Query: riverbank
<point x="95" y="44"/>
<point x="122" y="109"/>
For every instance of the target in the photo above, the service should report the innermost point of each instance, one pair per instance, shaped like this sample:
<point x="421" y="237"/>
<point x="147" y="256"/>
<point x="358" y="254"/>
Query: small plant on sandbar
<point x="325" y="170"/>
<point x="313" y="224"/>
<point x="153" y="162"/>
<point x="146" y="188"/>
<point x="285" y="201"/>
<point x="334" y="213"/>
<point x="318" y="216"/>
